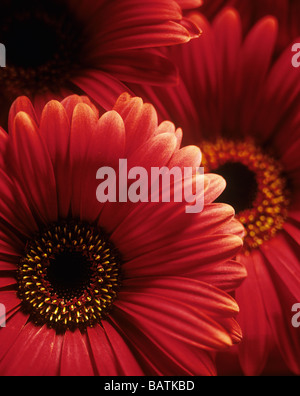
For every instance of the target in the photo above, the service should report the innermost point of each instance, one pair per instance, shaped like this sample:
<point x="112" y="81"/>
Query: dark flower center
<point x="242" y="187"/>
<point x="69" y="276"/>
<point x="31" y="43"/>
<point x="44" y="42"/>
<point x="256" y="187"/>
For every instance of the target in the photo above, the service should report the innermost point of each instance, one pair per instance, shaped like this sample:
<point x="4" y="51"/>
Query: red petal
<point x="156" y="152"/>
<point x="10" y="334"/>
<point x="55" y="128"/>
<point x="187" y="4"/>
<point x="255" y="348"/>
<point x="137" y="117"/>
<point x="278" y="303"/>
<point x="76" y="357"/>
<point x="147" y="67"/>
<point x="83" y="127"/>
<point x="72" y="101"/>
<point x="103" y="88"/>
<point x="107" y="146"/>
<point x="160" y="356"/>
<point x="30" y="163"/>
<point x="21" y="104"/>
<point x="112" y="355"/>
<point x="36" y="352"/>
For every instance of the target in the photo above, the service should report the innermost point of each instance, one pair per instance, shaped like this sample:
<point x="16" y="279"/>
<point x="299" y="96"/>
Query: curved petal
<point x="55" y="129"/>
<point x="106" y="147"/>
<point x="83" y="127"/>
<point x="159" y="358"/>
<point x="10" y="334"/>
<point x="194" y="250"/>
<point x="30" y="164"/>
<point x="111" y="352"/>
<point x="76" y="357"/>
<point x="156" y="152"/>
<point x="36" y="352"/>
<point x="255" y="348"/>
<point x="102" y="87"/>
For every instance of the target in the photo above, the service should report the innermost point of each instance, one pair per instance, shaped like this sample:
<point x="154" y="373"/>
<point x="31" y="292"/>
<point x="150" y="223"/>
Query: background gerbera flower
<point x="243" y="112"/>
<point x="286" y="11"/>
<point x="59" y="47"/>
<point x="108" y="289"/>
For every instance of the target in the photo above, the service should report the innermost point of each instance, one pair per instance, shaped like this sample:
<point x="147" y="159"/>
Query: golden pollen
<point x="69" y="276"/>
<point x="257" y="188"/>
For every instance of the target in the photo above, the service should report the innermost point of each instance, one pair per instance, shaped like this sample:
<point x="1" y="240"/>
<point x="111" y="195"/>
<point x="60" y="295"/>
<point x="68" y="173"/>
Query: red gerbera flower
<point x="286" y="11"/>
<point x="70" y="46"/>
<point x="243" y="111"/>
<point x="112" y="288"/>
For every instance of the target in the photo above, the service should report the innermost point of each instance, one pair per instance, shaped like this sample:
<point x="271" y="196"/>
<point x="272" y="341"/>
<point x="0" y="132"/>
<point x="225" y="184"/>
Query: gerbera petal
<point x="148" y="251"/>
<point x="111" y="87"/>
<point x="160" y="315"/>
<point x="36" y="352"/>
<point x="189" y="156"/>
<point x="107" y="146"/>
<point x="71" y="102"/>
<point x="186" y="290"/>
<point x="7" y="281"/>
<point x="111" y="353"/>
<point x="83" y="126"/>
<point x="187" y="4"/>
<point x="30" y="163"/>
<point x="264" y="33"/>
<point x="284" y="79"/>
<point x="143" y="25"/>
<point x="137" y="67"/>
<point x="169" y="33"/>
<point x="153" y="261"/>
<point x="55" y="128"/>
<point x="253" y="321"/>
<point x="292" y="229"/>
<point x="3" y="144"/>
<point x="8" y="265"/>
<point x="283" y="255"/>
<point x="157" y="151"/>
<point x="40" y="100"/>
<point x="156" y="357"/>
<point x="214" y="188"/>
<point x="278" y="312"/>
<point x="137" y="117"/>
<point x="11" y="195"/>
<point x="10" y="334"/>
<point x="76" y="357"/>
<point x="21" y="104"/>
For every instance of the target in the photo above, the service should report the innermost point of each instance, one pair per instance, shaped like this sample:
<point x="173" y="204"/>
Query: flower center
<point x="43" y="43"/>
<point x="256" y="187"/>
<point x="241" y="188"/>
<point x="69" y="276"/>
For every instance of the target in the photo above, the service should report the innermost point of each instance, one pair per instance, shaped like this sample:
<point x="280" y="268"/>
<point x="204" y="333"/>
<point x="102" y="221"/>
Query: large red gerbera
<point x="58" y="47"/>
<point x="112" y="288"/>
<point x="286" y="11"/>
<point x="243" y="111"/>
